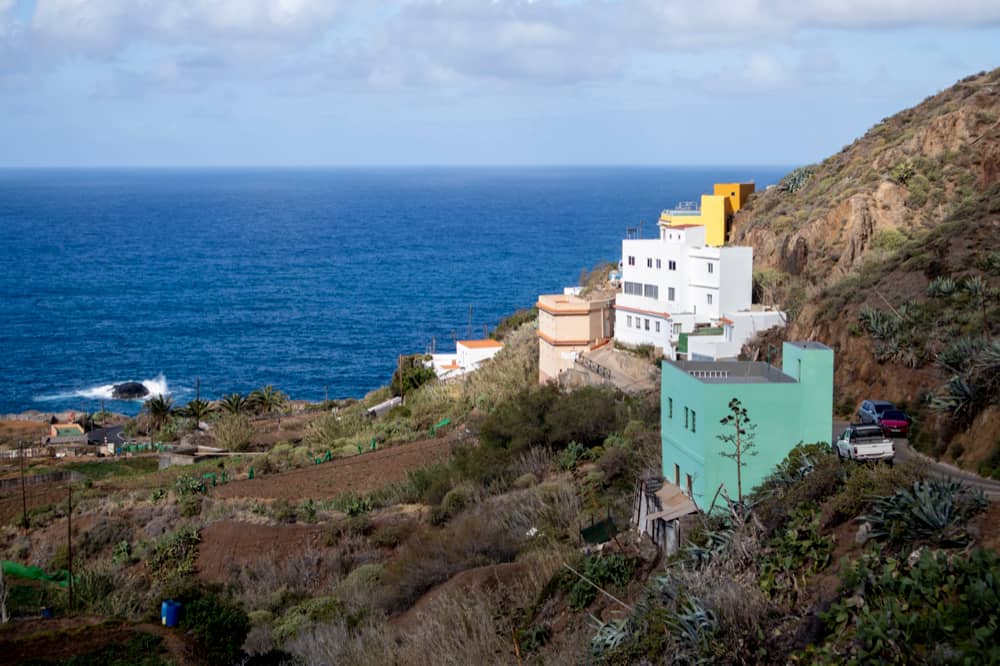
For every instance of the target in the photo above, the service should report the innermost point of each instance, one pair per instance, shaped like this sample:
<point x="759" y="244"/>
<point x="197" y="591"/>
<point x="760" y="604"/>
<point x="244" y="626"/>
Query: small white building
<point x="737" y="328"/>
<point x="468" y="356"/>
<point x="676" y="282"/>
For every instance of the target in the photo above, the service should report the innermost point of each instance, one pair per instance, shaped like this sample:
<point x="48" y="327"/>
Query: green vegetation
<point x="126" y="467"/>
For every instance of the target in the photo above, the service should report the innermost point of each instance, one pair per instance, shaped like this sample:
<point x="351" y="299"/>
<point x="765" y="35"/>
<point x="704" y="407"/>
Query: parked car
<point x="894" y="422"/>
<point x="871" y="410"/>
<point x="864" y="442"/>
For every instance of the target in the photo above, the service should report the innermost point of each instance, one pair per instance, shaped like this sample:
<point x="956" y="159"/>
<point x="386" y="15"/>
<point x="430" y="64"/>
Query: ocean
<point x="312" y="280"/>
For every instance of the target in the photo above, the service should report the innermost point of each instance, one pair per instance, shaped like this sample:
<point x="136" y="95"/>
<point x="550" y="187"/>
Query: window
<point x="677" y="329"/>
<point x="672" y="265"/>
<point x="690" y="485"/>
<point x="711" y="267"/>
<point x="709" y="298"/>
<point x="686" y="418"/>
<point x="649" y="262"/>
<point x="657" y="326"/>
<point x="670" y="408"/>
<point x="647" y="324"/>
<point x="670" y="293"/>
<point x="631" y="261"/>
<point x="628" y="319"/>
<point x="633" y="288"/>
<point x="659" y="264"/>
<point x="694" y="424"/>
<point x="677" y="475"/>
<point x="650" y="291"/>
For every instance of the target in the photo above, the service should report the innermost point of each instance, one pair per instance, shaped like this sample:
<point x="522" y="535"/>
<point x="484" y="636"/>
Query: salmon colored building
<point x="568" y="325"/>
<point x="715" y="213"/>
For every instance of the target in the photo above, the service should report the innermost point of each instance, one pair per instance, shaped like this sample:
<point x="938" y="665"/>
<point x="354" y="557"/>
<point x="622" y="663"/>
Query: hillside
<point x="888" y="252"/>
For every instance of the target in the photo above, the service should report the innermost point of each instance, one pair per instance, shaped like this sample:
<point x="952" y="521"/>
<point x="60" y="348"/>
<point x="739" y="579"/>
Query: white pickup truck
<point x="864" y="442"/>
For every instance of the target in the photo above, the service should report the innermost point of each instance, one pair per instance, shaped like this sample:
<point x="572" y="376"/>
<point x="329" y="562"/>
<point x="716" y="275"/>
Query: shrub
<point x="233" y="432"/>
<point x="602" y="570"/>
<point x="411" y="374"/>
<point x="220" y="628"/>
<point x="793" y="554"/>
<point x="189" y="506"/>
<point x="572" y="455"/>
<point x="188" y="484"/>
<point x="865" y="482"/>
<point x="174" y="554"/>
<point x="939" y="609"/>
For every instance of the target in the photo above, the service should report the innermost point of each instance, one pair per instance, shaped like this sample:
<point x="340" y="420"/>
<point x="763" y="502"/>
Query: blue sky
<point x="411" y="82"/>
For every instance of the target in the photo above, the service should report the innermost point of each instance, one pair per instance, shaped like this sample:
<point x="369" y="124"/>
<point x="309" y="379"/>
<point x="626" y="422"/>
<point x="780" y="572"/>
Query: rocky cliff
<point x="858" y="246"/>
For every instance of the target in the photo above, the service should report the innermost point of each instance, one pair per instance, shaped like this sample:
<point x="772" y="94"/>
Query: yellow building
<point x="715" y="213"/>
<point x="568" y="325"/>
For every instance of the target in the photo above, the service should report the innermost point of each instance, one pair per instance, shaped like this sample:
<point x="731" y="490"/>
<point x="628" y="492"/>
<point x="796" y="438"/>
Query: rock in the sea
<point x="129" y="391"/>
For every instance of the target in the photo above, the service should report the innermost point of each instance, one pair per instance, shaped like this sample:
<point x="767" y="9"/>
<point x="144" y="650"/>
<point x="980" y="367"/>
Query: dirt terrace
<point x="359" y="474"/>
<point x="228" y="544"/>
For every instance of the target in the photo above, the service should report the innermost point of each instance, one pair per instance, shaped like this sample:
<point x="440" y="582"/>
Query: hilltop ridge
<point x="913" y="201"/>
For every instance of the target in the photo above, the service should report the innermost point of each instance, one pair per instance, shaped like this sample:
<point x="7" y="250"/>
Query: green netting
<point x="34" y="573"/>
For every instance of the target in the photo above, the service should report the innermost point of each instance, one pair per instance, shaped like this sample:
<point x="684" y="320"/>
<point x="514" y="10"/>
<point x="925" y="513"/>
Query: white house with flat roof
<point x="468" y="356"/>
<point x="675" y="283"/>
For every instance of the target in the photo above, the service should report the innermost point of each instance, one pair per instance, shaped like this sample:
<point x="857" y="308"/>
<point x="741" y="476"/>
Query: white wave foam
<point x="156" y="386"/>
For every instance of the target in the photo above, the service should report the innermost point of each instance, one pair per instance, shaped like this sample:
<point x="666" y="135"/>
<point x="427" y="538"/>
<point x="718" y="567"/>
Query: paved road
<point x="905" y="452"/>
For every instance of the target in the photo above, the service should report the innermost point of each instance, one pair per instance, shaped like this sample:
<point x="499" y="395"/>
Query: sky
<point x="469" y="82"/>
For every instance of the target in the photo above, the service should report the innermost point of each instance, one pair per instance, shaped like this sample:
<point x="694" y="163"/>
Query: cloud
<point x="303" y="45"/>
<point x="107" y="25"/>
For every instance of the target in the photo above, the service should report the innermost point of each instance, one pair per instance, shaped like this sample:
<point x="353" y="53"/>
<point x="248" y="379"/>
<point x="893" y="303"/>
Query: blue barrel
<point x="170" y="612"/>
<point x="47" y="612"/>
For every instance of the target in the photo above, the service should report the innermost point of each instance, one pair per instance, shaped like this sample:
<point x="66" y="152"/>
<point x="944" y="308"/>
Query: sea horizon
<point x="312" y="279"/>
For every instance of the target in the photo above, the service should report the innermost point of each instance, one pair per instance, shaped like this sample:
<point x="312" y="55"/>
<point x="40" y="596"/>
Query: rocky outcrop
<point x="129" y="391"/>
<point x="836" y="236"/>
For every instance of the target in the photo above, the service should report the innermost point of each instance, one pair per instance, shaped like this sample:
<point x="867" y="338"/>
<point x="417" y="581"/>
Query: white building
<point x="737" y="328"/>
<point x="468" y="356"/>
<point x="676" y="282"/>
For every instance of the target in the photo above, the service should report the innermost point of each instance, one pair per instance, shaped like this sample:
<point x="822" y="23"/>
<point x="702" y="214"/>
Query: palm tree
<point x="234" y="403"/>
<point x="268" y="400"/>
<point x="160" y="409"/>
<point x="197" y="409"/>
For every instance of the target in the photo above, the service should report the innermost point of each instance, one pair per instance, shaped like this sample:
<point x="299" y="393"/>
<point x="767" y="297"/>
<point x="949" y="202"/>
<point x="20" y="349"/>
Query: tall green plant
<point x="740" y="439"/>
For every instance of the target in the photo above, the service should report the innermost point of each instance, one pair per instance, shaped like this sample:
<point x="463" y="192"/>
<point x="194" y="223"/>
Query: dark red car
<point x="895" y="423"/>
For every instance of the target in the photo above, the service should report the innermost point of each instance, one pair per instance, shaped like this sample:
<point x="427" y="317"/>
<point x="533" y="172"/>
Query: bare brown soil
<point x="358" y="474"/>
<point x="228" y="543"/>
<point x="11" y="506"/>
<point x="488" y="578"/>
<point x="64" y="638"/>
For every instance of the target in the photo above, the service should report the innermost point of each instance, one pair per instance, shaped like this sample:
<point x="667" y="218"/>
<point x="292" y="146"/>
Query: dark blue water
<point x="297" y="278"/>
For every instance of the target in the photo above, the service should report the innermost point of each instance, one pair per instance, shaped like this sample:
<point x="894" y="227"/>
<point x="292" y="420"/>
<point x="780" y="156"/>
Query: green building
<point x="788" y="406"/>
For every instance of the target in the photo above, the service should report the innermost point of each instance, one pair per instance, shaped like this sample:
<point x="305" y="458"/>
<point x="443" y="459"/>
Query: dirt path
<point x="358" y="474"/>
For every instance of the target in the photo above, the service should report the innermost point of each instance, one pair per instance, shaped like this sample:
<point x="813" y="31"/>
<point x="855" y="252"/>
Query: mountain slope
<point x="857" y="247"/>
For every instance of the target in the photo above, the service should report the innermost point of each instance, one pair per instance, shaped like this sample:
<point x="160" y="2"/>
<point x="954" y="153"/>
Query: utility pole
<point x="24" y="497"/>
<point x="197" y="389"/>
<point x="69" y="538"/>
<point x="326" y="394"/>
<point x="486" y="331"/>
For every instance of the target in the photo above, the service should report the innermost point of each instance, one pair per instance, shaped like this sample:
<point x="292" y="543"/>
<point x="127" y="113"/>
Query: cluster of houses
<point x="687" y="296"/>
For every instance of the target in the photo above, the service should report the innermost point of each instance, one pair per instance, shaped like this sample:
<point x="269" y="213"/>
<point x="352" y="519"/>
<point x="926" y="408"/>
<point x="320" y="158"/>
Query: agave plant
<point x="609" y="635"/>
<point x="934" y="511"/>
<point x="960" y="398"/>
<point x="959" y="355"/>
<point x="692" y="622"/>
<point x="942" y="287"/>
